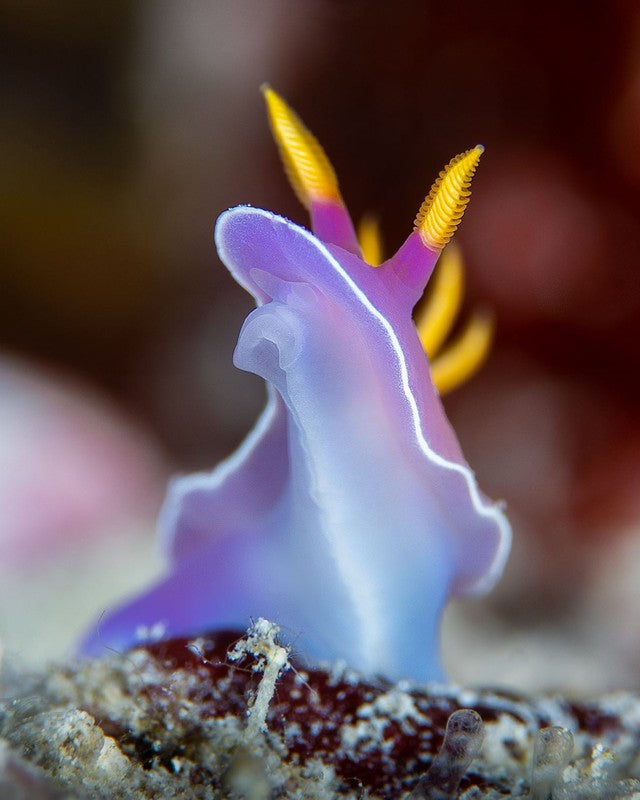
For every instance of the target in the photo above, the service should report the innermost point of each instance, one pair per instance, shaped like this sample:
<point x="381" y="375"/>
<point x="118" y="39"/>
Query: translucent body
<point x="349" y="515"/>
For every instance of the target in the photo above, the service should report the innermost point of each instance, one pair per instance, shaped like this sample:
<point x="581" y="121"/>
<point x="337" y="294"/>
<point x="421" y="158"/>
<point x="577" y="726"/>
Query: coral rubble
<point x="219" y="717"/>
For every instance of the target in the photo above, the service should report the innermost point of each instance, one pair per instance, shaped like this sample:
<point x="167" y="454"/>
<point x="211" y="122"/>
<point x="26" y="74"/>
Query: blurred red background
<point x="127" y="130"/>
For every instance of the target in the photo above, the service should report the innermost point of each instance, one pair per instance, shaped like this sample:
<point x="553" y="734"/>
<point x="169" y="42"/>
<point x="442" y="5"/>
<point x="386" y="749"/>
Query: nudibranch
<point x="348" y="516"/>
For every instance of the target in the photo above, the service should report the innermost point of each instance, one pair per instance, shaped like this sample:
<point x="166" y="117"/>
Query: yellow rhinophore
<point x="443" y="207"/>
<point x="462" y="357"/>
<point x="313" y="178"/>
<point x="309" y="170"/>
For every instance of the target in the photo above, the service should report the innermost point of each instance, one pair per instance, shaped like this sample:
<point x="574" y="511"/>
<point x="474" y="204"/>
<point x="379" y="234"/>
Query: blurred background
<point x="126" y="130"/>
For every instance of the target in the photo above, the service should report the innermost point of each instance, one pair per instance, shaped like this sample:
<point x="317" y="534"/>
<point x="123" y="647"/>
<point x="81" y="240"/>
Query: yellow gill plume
<point x="436" y="317"/>
<point x="370" y="240"/>
<point x="464" y="356"/>
<point x="459" y="359"/>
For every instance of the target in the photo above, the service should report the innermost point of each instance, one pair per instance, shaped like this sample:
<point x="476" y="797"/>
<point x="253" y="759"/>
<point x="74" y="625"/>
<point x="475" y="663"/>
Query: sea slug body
<point x="349" y="515"/>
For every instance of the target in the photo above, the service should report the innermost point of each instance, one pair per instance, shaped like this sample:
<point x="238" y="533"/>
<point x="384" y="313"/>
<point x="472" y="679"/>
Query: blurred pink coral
<point x="70" y="466"/>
